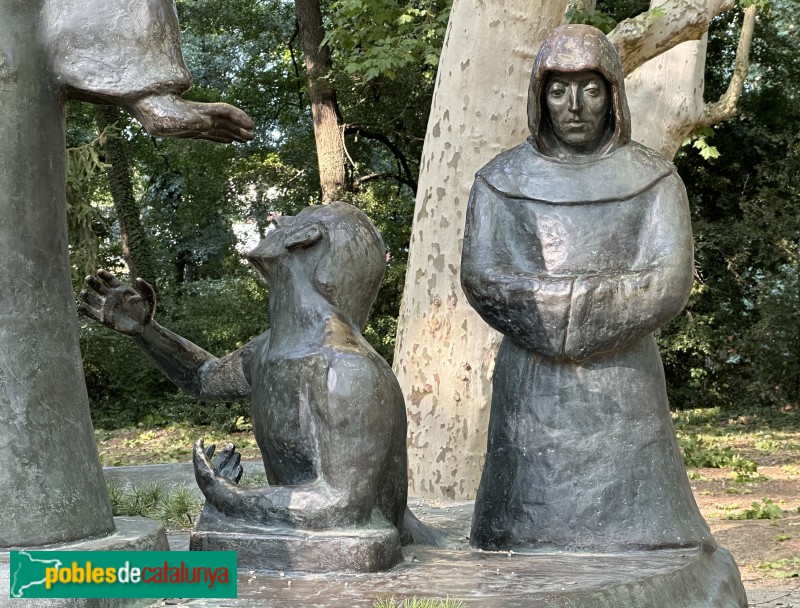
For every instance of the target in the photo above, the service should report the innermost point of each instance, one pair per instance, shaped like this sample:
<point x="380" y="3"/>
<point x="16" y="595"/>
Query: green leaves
<point x="379" y="38"/>
<point x="699" y="141"/>
<point x="766" y="510"/>
<point x="602" y="21"/>
<point x="782" y="568"/>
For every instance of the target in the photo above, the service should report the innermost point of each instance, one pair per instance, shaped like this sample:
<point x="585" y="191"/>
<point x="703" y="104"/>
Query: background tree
<point x="737" y="344"/>
<point x="328" y="133"/>
<point x="136" y="247"/>
<point x="194" y="199"/>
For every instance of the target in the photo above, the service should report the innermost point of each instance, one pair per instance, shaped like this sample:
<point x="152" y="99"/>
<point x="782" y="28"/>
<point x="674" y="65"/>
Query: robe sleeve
<point x="608" y="312"/>
<point x="114" y="50"/>
<point x="527" y="306"/>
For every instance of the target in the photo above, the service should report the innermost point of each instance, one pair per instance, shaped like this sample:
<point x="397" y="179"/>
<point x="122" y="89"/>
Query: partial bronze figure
<point x="328" y="413"/>
<point x="122" y="52"/>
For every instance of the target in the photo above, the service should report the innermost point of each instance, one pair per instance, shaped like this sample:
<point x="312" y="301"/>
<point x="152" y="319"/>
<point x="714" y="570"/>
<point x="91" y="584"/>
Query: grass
<point x="172" y="443"/>
<point x="782" y="568"/>
<point x="175" y="508"/>
<point x="709" y="437"/>
<point x="739" y="440"/>
<point x="253" y="480"/>
<point x="764" y="430"/>
<point x="416" y="602"/>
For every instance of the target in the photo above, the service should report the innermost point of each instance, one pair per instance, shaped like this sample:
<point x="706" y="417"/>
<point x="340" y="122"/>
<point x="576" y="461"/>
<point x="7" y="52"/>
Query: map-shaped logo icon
<point x="28" y="571"/>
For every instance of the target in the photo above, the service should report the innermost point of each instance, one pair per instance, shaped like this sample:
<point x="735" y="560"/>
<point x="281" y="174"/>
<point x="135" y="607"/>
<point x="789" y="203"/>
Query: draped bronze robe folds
<point x="113" y="51"/>
<point x="577" y="256"/>
<point x="578" y="269"/>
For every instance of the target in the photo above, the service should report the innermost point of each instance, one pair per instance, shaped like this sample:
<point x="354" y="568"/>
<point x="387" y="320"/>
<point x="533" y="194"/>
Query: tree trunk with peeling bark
<point x="444" y="355"/>
<point x="665" y="94"/>
<point x="324" y="108"/>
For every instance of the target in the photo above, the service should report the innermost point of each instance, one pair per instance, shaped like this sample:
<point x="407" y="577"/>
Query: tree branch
<point x="357" y="184"/>
<point x="398" y="154"/>
<point x="725" y="107"/>
<point x="290" y="46"/>
<point x="664" y="26"/>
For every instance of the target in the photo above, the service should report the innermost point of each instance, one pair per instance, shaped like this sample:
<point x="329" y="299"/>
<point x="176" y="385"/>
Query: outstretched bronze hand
<point x="116" y="305"/>
<point x="172" y="116"/>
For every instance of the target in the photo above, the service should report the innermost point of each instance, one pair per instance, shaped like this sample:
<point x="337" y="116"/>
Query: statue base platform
<point x="674" y="578"/>
<point x="285" y="550"/>
<point x="133" y="534"/>
<point x="646" y="579"/>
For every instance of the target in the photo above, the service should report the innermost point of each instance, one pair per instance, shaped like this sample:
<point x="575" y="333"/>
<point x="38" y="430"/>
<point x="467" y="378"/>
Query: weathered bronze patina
<point x="121" y="52"/>
<point x="328" y="414"/>
<point x="578" y="247"/>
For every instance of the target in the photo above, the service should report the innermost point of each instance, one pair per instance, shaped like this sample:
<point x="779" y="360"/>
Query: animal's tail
<point x="414" y="531"/>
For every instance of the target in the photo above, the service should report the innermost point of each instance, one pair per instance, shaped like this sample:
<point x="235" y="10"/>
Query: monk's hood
<point x="625" y="172"/>
<point x="579" y="48"/>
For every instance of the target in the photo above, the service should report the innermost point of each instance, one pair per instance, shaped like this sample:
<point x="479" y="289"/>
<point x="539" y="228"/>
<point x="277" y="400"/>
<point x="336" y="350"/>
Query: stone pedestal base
<point x="304" y="551"/>
<point x="672" y="578"/>
<point x="133" y="534"/>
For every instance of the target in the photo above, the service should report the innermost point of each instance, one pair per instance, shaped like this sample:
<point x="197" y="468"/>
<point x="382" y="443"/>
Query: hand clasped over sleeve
<point x="608" y="312"/>
<point x="577" y="315"/>
<point x="530" y="308"/>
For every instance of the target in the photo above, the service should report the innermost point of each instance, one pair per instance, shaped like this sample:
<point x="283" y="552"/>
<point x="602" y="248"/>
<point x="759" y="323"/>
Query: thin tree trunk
<point x="135" y="244"/>
<point x="324" y="109"/>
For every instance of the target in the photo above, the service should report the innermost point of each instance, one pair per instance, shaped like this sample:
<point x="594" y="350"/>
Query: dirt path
<point x="767" y="550"/>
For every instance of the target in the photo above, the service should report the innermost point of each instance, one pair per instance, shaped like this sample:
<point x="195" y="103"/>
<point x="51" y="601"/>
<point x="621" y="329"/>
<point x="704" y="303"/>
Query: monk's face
<point x="578" y="106"/>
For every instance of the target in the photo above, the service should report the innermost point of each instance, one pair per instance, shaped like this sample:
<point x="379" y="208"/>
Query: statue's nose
<point x="574" y="99"/>
<point x="281" y="221"/>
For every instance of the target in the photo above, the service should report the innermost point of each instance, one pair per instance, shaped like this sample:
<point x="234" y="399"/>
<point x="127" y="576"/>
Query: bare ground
<point x="758" y="545"/>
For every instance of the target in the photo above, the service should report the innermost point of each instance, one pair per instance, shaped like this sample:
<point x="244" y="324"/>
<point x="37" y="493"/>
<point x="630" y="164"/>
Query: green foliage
<point x="417" y="602"/>
<point x="737" y="345"/>
<point x="699" y="453"/>
<point x="759" y="510"/>
<point x="764" y="6"/>
<point x="602" y="21"/>
<point x="782" y="568"/>
<point x="86" y="192"/>
<point x="699" y="140"/>
<point x="375" y="38"/>
<point x="126" y="389"/>
<point x="617" y="10"/>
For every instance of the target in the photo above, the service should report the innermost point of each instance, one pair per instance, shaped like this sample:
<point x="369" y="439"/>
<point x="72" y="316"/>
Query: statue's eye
<point x="592" y="90"/>
<point x="557" y="90"/>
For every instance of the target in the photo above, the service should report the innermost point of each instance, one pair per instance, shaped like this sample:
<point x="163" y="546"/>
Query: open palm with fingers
<point x="116" y="305"/>
<point x="172" y="116"/>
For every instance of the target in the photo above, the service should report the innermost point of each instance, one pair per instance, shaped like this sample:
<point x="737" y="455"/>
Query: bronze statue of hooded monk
<point x="577" y="247"/>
